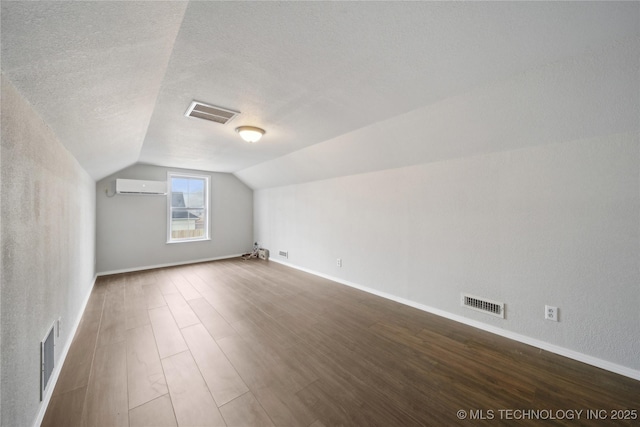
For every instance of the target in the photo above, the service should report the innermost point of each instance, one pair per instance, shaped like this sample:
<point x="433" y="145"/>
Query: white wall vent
<point x="210" y="112"/>
<point x="47" y="352"/>
<point x="484" y="305"/>
<point x="283" y="254"/>
<point x="135" y="186"/>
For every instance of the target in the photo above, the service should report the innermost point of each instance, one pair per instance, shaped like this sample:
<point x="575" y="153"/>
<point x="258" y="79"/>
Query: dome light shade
<point x="250" y="134"/>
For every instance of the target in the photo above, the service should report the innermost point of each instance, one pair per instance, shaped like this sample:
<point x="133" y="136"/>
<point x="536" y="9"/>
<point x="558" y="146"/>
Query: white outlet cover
<point x="551" y="313"/>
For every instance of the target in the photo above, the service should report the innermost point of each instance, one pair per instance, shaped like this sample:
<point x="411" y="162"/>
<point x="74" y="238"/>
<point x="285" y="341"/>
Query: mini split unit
<point x="135" y="186"/>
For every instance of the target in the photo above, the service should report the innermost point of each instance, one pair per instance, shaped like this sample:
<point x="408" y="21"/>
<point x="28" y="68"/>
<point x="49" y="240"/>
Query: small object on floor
<point x="250" y="255"/>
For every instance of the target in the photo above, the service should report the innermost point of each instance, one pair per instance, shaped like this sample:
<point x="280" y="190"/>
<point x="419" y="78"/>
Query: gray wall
<point x="553" y="225"/>
<point x="132" y="229"/>
<point x="526" y="192"/>
<point x="48" y="247"/>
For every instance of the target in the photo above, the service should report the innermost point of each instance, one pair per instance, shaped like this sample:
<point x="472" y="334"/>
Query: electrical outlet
<point x="551" y="313"/>
<point x="339" y="262"/>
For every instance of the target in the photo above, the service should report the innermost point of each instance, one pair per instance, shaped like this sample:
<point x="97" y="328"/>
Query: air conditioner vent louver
<point x="210" y="113"/>
<point x="484" y="305"/>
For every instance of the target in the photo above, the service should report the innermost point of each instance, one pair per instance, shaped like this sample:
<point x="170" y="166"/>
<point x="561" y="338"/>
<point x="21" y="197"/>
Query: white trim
<point x="207" y="205"/>
<point x="189" y="241"/>
<point x="169" y="264"/>
<point x="44" y="404"/>
<point x="571" y="354"/>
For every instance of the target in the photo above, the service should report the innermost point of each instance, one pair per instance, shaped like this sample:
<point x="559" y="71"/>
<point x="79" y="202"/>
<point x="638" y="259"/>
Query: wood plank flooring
<point x="253" y="343"/>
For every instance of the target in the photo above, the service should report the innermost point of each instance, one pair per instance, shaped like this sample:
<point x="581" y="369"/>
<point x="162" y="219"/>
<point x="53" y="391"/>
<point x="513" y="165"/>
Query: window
<point x="188" y="207"/>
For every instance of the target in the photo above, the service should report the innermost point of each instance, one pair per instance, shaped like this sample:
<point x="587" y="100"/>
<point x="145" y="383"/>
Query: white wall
<point x="132" y="230"/>
<point x="526" y="192"/>
<point x="48" y="247"/>
<point x="553" y="225"/>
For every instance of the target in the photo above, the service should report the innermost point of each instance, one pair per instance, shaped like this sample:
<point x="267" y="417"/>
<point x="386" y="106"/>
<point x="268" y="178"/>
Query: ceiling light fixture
<point x="250" y="133"/>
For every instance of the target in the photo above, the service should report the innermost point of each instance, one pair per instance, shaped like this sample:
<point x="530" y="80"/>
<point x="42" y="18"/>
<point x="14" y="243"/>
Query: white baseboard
<point x="170" y="264"/>
<point x="571" y="354"/>
<point x="60" y="361"/>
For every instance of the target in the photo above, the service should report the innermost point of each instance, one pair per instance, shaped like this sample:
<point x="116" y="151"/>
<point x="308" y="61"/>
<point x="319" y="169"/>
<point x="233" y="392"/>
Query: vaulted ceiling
<point x="113" y="79"/>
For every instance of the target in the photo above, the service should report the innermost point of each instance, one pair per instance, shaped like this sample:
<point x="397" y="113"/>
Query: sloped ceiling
<point x="92" y="70"/>
<point x="113" y="79"/>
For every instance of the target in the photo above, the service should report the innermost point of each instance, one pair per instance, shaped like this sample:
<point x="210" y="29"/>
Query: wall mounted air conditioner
<point x="135" y="186"/>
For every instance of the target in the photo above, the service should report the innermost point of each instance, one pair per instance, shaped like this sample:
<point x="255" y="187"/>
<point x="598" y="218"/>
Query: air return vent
<point x="484" y="305"/>
<point x="46" y="360"/>
<point x="210" y="112"/>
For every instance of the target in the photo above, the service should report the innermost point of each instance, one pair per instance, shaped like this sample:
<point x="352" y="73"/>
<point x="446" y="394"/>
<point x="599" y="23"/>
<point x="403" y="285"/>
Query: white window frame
<point x="207" y="206"/>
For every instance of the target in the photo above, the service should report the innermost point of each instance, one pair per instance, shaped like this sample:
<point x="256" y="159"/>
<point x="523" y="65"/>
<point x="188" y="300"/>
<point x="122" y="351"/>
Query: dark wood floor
<point x="252" y="343"/>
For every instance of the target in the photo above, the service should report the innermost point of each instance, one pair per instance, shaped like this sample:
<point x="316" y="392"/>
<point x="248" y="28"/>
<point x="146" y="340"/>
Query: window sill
<point x="171" y="242"/>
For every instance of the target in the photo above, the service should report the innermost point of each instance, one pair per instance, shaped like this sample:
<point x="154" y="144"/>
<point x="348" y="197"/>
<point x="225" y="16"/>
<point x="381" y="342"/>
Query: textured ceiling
<point x="113" y="79"/>
<point x="92" y="70"/>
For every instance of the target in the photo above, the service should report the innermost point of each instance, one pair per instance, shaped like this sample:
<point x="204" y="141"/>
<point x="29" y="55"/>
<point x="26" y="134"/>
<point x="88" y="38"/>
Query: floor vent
<point x="47" y="351"/>
<point x="284" y="254"/>
<point x="484" y="305"/>
<point x="210" y="112"/>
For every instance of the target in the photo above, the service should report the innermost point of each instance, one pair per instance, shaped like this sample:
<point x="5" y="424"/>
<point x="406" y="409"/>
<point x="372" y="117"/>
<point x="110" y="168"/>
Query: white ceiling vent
<point x="210" y="112"/>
